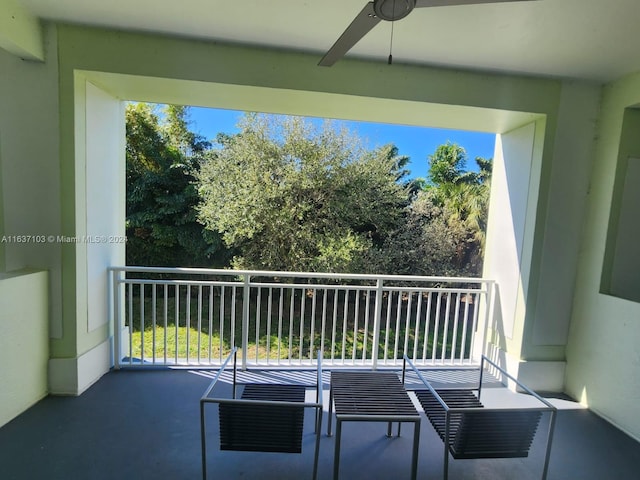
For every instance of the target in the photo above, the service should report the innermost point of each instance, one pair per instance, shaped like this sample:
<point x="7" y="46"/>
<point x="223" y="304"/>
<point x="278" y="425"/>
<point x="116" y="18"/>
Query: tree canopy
<point x="161" y="159"/>
<point x="464" y="198"/>
<point x="294" y="196"/>
<point x="287" y="193"/>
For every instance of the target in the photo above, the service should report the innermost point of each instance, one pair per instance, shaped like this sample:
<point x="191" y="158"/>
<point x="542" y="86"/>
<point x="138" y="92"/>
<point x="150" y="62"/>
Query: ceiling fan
<point x="389" y="10"/>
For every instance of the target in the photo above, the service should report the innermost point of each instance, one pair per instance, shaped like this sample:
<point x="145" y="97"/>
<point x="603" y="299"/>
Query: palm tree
<point x="464" y="198"/>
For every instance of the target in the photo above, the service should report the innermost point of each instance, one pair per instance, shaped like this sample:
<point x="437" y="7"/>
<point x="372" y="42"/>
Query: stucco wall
<point x="29" y="206"/>
<point x="603" y="352"/>
<point x="30" y="164"/>
<point x="24" y="341"/>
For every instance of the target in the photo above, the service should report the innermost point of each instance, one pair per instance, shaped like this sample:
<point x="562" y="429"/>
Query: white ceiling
<point x="584" y="39"/>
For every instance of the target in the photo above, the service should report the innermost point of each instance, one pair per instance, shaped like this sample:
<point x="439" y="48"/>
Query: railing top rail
<point x="269" y="273"/>
<point x="315" y="286"/>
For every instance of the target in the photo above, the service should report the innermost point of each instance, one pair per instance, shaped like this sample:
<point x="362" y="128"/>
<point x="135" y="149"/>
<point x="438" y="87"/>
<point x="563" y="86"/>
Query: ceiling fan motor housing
<point x="391" y="10"/>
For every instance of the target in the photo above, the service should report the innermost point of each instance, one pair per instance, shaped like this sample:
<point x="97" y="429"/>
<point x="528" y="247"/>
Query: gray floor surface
<point x="145" y="425"/>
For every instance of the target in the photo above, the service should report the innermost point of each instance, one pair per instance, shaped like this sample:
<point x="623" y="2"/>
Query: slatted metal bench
<point x="469" y="430"/>
<point x="266" y="417"/>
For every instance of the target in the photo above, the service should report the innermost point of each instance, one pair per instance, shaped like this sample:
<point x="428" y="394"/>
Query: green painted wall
<point x="30" y="163"/>
<point x="24" y="341"/>
<point x="620" y="266"/>
<point x="603" y="356"/>
<point x="2" y="203"/>
<point x="565" y="187"/>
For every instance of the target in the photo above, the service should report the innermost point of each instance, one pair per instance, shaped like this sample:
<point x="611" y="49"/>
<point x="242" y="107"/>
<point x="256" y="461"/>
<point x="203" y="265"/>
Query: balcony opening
<point x="518" y="151"/>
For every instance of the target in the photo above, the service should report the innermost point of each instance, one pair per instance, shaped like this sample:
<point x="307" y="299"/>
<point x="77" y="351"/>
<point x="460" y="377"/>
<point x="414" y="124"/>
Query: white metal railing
<point x="187" y="316"/>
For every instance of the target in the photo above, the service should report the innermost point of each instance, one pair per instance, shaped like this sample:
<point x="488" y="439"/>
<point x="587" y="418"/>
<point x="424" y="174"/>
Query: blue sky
<point x="416" y="142"/>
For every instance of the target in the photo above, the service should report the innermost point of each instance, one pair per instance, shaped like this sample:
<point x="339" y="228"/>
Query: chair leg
<point x="330" y="412"/>
<point x="336" y="454"/>
<point x="317" y="448"/>
<point x="203" y="442"/>
<point x="415" y="452"/>
<point x="445" y="473"/>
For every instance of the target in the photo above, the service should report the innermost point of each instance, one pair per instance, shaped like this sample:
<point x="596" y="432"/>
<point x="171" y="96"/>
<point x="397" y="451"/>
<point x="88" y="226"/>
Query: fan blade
<point x="360" y="26"/>
<point x="446" y="3"/>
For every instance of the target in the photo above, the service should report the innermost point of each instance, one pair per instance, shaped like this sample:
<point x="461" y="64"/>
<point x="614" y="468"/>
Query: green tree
<point x="464" y="199"/>
<point x="288" y="195"/>
<point x="443" y="228"/>
<point x="447" y="165"/>
<point x="425" y="243"/>
<point x="161" y="159"/>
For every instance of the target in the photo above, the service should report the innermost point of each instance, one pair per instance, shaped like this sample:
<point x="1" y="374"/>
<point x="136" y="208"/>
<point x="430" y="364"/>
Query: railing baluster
<point x="269" y="311"/>
<point x="292" y="297"/>
<point x="454" y="337"/>
<point x="246" y="302"/>
<point x="427" y="324"/>
<point x="232" y="324"/>
<point x="436" y="327"/>
<point x="187" y="320"/>
<point x="445" y="333"/>
<point x="221" y="328"/>
<point x="366" y="326"/>
<point x="312" y="326"/>
<point x="356" y="315"/>
<point x="117" y="318"/>
<point x="345" y="304"/>
<point x="377" y="319"/>
<point x="324" y="320"/>
<point x="177" y="321"/>
<point x="258" y="312"/>
<point x="303" y="298"/>
<point x="407" y="325"/>
<point x="153" y="322"/>
<point x="476" y="311"/>
<point x="387" y="330"/>
<point x="211" y="304"/>
<point x="280" y="319"/>
<point x="417" y="330"/>
<point x="130" y="323"/>
<point x="334" y="323"/>
<point x="165" y="315"/>
<point x="465" y="321"/>
<point x="141" y="287"/>
<point x="199" y="322"/>
<point x="397" y="332"/>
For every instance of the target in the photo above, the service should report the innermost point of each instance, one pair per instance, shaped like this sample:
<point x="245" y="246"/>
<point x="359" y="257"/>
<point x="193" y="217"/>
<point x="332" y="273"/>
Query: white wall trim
<point x="20" y="31"/>
<point x="538" y="375"/>
<point x="72" y="376"/>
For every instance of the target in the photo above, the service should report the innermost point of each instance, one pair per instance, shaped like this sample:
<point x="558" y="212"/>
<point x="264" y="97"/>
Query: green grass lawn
<point x="209" y="347"/>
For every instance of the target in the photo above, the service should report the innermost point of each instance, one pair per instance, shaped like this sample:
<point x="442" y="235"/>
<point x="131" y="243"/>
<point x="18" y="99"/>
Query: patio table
<point x="371" y="396"/>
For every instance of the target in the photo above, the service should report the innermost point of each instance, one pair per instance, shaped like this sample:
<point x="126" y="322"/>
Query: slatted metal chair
<point x="266" y="417"/>
<point x="263" y="427"/>
<point x="469" y="430"/>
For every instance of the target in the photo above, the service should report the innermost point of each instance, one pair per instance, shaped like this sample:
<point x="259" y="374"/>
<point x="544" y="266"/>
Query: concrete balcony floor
<point x="145" y="425"/>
